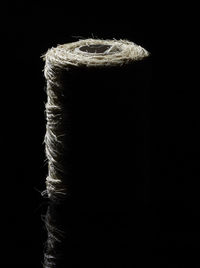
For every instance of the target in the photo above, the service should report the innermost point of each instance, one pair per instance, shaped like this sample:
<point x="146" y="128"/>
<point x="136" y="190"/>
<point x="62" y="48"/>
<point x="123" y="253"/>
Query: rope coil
<point x="64" y="57"/>
<point x="60" y="63"/>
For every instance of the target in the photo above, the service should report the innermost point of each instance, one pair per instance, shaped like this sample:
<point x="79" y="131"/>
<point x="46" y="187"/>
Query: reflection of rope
<point x="57" y="237"/>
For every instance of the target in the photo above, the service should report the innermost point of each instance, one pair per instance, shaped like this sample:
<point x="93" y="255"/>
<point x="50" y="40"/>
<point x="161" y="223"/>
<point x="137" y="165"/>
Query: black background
<point x="172" y="171"/>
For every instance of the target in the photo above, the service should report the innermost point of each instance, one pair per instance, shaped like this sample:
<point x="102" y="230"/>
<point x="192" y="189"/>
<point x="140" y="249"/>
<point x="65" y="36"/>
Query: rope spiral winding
<point x="58" y="139"/>
<point x="89" y="53"/>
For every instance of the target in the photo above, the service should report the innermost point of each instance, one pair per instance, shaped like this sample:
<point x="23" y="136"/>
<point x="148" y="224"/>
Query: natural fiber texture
<point x="64" y="57"/>
<point x="60" y="63"/>
<point x="121" y="52"/>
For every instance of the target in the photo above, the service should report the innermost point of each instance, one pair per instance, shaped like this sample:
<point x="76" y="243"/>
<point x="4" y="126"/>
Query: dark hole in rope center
<point x="95" y="48"/>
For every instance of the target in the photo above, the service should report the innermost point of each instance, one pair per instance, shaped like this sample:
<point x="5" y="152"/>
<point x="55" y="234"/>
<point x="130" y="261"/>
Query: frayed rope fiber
<point x="58" y="107"/>
<point x="88" y="83"/>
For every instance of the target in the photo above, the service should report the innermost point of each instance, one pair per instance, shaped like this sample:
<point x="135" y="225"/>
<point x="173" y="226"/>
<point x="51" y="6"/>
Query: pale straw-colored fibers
<point x="60" y="62"/>
<point x="89" y="53"/>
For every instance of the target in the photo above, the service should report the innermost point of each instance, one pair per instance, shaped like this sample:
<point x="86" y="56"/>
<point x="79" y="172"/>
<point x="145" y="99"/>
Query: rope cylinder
<point x="92" y="92"/>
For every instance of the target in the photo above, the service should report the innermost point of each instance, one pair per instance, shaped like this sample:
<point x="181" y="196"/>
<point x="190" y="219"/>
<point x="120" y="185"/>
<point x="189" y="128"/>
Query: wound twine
<point x="88" y="60"/>
<point x="61" y="58"/>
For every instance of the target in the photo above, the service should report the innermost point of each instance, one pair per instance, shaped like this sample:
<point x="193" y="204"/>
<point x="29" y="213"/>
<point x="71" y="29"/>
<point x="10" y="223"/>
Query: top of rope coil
<point x="95" y="52"/>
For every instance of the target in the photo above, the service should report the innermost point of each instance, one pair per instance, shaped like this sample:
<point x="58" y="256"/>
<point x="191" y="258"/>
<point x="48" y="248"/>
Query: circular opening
<point x="95" y="48"/>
